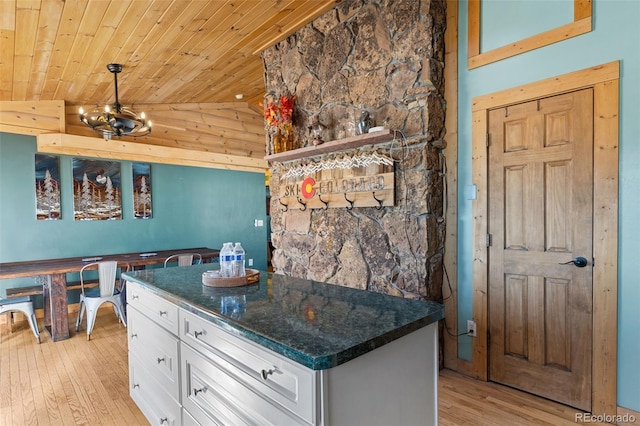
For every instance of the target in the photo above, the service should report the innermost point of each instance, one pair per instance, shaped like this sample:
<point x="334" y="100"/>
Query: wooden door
<point x="540" y="218"/>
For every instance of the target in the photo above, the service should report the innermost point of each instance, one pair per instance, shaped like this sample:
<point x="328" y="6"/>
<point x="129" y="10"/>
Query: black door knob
<point x="580" y="262"/>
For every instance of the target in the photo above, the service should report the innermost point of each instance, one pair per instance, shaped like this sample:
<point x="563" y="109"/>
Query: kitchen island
<point x="280" y="351"/>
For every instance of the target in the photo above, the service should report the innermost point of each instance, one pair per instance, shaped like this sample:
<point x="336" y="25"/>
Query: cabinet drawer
<point x="212" y="395"/>
<point x="156" y="404"/>
<point x="155" y="307"/>
<point x="276" y="378"/>
<point x="157" y="350"/>
<point x="188" y="420"/>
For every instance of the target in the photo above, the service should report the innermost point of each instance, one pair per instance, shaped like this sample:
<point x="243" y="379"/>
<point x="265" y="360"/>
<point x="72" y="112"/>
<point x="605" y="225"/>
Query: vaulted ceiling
<point x="184" y="62"/>
<point x="173" y="51"/>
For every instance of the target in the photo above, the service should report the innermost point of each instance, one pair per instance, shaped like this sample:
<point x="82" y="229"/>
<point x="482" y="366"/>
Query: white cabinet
<point x="159" y="310"/>
<point x="157" y="350"/>
<point x="157" y="405"/>
<point x="188" y="368"/>
<point x="213" y="394"/>
<point x="154" y="362"/>
<point x="227" y="375"/>
<point x="395" y="384"/>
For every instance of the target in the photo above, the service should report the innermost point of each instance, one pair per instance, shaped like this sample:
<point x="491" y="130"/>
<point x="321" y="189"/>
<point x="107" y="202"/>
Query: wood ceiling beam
<point x="224" y="136"/>
<point x="64" y="144"/>
<point x="32" y="118"/>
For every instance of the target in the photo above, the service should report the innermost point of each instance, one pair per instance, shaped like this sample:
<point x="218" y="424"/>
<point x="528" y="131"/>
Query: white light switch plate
<point x="471" y="192"/>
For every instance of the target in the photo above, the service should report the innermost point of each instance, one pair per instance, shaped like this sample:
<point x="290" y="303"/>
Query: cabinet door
<point x="156" y="404"/>
<point x="211" y="394"/>
<point x="156" y="349"/>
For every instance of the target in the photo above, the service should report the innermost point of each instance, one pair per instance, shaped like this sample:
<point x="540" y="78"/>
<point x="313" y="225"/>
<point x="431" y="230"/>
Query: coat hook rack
<point x="286" y="206"/>
<point x="304" y="205"/>
<point x="350" y="206"/>
<point x="379" y="206"/>
<point x="326" y="203"/>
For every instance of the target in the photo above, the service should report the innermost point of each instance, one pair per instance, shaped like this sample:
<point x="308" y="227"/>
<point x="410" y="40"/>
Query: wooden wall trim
<point x="582" y="23"/>
<point x="629" y="417"/>
<point x="605" y="247"/>
<point x="563" y="83"/>
<point x="479" y="267"/>
<point x="32" y="117"/>
<point x="450" y="284"/>
<point x="59" y="143"/>
<point x="604" y="80"/>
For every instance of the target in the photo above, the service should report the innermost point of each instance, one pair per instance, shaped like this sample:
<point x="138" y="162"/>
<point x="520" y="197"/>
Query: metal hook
<point x="286" y="206"/>
<point x="350" y="206"/>
<point x="379" y="206"/>
<point x="326" y="203"/>
<point x="304" y="205"/>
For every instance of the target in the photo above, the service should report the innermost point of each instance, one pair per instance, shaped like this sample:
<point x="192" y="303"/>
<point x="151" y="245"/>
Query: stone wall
<point x="386" y="56"/>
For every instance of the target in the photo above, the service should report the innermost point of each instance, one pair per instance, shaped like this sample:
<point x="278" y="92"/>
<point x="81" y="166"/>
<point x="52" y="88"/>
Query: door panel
<point x="540" y="216"/>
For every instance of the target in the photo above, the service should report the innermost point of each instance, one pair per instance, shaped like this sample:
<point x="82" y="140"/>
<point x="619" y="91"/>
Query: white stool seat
<point x="21" y="304"/>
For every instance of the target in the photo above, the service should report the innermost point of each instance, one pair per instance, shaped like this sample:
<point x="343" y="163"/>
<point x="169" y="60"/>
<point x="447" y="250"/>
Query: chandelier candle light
<point x="116" y="119"/>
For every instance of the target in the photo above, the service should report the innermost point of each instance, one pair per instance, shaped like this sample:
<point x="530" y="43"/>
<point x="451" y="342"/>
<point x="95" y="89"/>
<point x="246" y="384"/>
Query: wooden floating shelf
<point x="381" y="136"/>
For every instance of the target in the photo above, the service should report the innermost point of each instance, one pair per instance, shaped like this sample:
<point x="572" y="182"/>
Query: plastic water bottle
<point x="226" y="260"/>
<point x="238" y="261"/>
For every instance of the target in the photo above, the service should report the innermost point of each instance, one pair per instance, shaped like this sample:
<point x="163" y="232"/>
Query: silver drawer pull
<point x="160" y="360"/>
<point x="197" y="333"/>
<point x="197" y="391"/>
<point x="136" y="386"/>
<point x="163" y="313"/>
<point x="265" y="373"/>
<point x="133" y="336"/>
<point x="164" y="420"/>
<point x="134" y="296"/>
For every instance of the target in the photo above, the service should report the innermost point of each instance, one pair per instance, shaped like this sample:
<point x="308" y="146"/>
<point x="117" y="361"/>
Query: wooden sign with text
<point x="371" y="186"/>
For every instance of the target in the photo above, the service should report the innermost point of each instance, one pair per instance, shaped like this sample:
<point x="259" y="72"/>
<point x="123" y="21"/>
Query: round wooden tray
<point x="213" y="279"/>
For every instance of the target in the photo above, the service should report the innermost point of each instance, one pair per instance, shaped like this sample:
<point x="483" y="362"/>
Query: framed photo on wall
<point x="47" y="168"/>
<point x="141" y="173"/>
<point x="96" y="190"/>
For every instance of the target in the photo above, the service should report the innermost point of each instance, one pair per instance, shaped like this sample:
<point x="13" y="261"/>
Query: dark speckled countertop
<point x="315" y="324"/>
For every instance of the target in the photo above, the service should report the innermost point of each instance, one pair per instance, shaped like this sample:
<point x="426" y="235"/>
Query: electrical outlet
<point x="471" y="328"/>
<point x="250" y="262"/>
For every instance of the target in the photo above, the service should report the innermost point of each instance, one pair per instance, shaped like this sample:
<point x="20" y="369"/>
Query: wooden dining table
<point x="52" y="274"/>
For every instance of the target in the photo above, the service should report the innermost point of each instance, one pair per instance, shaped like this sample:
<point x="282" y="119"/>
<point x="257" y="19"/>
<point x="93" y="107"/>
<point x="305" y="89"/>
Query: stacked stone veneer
<point x="388" y="56"/>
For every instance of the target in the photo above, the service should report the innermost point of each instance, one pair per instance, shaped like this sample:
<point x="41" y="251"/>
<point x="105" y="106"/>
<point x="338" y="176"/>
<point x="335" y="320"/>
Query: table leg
<point x="56" y="313"/>
<point x="45" y="280"/>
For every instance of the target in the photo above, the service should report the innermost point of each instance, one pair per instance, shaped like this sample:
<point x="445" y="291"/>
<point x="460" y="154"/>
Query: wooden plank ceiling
<point x="184" y="62"/>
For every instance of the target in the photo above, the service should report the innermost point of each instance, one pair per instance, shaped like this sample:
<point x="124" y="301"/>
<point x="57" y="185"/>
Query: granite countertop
<point x="316" y="324"/>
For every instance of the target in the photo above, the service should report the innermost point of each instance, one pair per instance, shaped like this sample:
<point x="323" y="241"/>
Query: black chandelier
<point x="116" y="119"/>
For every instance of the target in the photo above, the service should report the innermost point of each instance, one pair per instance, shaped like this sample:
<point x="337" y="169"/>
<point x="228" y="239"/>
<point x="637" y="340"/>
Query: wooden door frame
<point x="604" y="79"/>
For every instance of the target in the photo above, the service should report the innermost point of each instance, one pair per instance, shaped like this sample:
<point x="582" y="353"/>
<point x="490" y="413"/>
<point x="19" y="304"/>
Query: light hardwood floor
<point x="80" y="382"/>
<point x="71" y="382"/>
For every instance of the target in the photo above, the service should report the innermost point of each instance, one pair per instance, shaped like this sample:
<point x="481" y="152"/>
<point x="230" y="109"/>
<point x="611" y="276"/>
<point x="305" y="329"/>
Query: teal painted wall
<point x="615" y="36"/>
<point x="192" y="207"/>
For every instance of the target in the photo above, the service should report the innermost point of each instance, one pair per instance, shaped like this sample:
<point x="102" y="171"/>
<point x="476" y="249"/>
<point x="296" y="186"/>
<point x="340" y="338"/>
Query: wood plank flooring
<point x="80" y="382"/>
<point x="71" y="382"/>
<point x="465" y="401"/>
